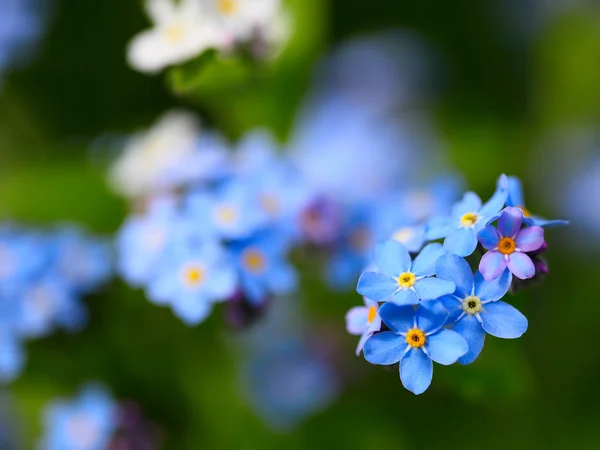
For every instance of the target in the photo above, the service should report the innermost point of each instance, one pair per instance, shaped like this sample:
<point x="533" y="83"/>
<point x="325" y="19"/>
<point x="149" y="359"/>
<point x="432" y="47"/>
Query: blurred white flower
<point x="180" y="33"/>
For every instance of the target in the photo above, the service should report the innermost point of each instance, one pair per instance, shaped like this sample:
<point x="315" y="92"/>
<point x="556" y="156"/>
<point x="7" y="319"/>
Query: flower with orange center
<point x="194" y="275"/>
<point x="254" y="260"/>
<point x="507" y="246"/>
<point x="415" y="338"/>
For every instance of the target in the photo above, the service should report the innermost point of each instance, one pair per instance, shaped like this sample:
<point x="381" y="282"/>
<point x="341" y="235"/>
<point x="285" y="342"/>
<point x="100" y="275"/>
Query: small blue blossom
<point x="263" y="268"/>
<point x="191" y="278"/>
<point x="517" y="199"/>
<point x="12" y="355"/>
<point x="475" y="307"/>
<point x="401" y="281"/>
<point x="363" y="321"/>
<point x="467" y="218"/>
<point x="85" y="423"/>
<point x="416" y="338"/>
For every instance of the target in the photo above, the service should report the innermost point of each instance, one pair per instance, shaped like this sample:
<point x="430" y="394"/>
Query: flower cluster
<point x="185" y="29"/>
<point x="42" y="277"/>
<point x="434" y="307"/>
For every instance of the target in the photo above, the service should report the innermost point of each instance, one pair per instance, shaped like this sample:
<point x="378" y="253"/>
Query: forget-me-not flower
<point x="363" y="321"/>
<point x="416" y="338"/>
<point x="517" y="199"/>
<point x="401" y="281"/>
<point x="475" y="307"/>
<point x="507" y="246"/>
<point x="467" y="218"/>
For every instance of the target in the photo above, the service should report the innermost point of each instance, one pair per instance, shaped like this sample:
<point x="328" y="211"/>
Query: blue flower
<point x="401" y="281"/>
<point x="85" y="423"/>
<point x="191" y="277"/>
<point x="12" y="356"/>
<point x="467" y="218"/>
<point x="516" y="199"/>
<point x="475" y="309"/>
<point x="262" y="265"/>
<point x="416" y="338"/>
<point x="363" y="321"/>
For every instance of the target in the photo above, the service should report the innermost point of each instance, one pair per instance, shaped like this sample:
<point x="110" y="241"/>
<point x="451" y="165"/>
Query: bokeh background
<point x="512" y="86"/>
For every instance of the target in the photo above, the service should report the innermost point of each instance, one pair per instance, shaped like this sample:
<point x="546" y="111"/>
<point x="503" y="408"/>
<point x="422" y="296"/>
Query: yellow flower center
<point x="403" y="235"/>
<point x="407" y="280"/>
<point x="372" y="314"/>
<point x="472" y="305"/>
<point x="227" y="6"/>
<point x="526" y="212"/>
<point x="415" y="338"/>
<point x="254" y="260"/>
<point x="506" y="246"/>
<point x="469" y="219"/>
<point x="194" y="275"/>
<point x="174" y="33"/>
<point x="227" y="214"/>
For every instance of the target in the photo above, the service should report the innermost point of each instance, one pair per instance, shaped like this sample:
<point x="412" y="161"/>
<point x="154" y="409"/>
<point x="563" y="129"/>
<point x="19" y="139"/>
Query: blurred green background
<point x="514" y="75"/>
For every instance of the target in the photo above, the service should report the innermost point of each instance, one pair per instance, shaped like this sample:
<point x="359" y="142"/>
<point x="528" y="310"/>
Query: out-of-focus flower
<point x="84" y="423"/>
<point x="181" y="32"/>
<point x="12" y="356"/>
<point x="474" y="308"/>
<point x="401" y="281"/>
<point x="517" y="199"/>
<point x="507" y="246"/>
<point x="191" y="277"/>
<point x="416" y="338"/>
<point x="262" y="266"/>
<point x="467" y="218"/>
<point x="168" y="155"/>
<point x="363" y="321"/>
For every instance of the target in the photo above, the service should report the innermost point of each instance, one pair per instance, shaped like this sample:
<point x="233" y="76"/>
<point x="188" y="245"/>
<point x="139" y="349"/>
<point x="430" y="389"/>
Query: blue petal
<point x="446" y="346"/>
<point x="470" y="203"/>
<point x="398" y="318"/>
<point x="498" y="200"/>
<point x="432" y="288"/>
<point x="510" y="222"/>
<point x="191" y="309"/>
<point x="546" y="223"/>
<point x="392" y="258"/>
<point x="376" y="286"/>
<point x="461" y="242"/>
<point x="405" y="297"/>
<point x="492" y="290"/>
<point x="424" y="264"/>
<point x="502" y="320"/>
<point x="431" y="319"/>
<point x="489" y="237"/>
<point x="515" y="192"/>
<point x="357" y="320"/>
<point x="416" y="371"/>
<point x="384" y="348"/>
<point x="456" y="269"/>
<point x="439" y="227"/>
<point x="470" y="328"/>
<point x="453" y="305"/>
<point x="521" y="265"/>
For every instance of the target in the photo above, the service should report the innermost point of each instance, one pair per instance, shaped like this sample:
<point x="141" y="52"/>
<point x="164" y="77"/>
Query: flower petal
<point x="446" y="346"/>
<point x="456" y="269"/>
<point x="492" y="265"/>
<point x="430" y="319"/>
<point x="515" y="192"/>
<point x="384" y="348"/>
<point x="510" y="222"/>
<point x="424" y="264"/>
<point x="416" y="371"/>
<point x="191" y="309"/>
<point x="530" y="239"/>
<point x="521" y="265"/>
<point x="376" y="286"/>
<point x="399" y="319"/>
<point x="489" y="237"/>
<point x="498" y="200"/>
<point x="392" y="258"/>
<point x="439" y="227"/>
<point x="494" y="289"/>
<point x="470" y="203"/>
<point x="502" y="320"/>
<point x="548" y="223"/>
<point x="357" y="320"/>
<point x="362" y="341"/>
<point x="461" y="242"/>
<point x="470" y="328"/>
<point x="432" y="288"/>
<point x="453" y="305"/>
<point x="405" y="297"/>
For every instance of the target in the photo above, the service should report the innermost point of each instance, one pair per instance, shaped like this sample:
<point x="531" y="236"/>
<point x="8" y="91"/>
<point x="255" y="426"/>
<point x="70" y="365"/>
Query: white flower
<point x="149" y="157"/>
<point x="181" y="32"/>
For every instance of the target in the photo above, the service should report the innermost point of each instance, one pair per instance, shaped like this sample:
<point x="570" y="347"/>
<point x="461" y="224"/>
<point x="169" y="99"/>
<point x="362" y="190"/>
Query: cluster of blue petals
<point x="440" y="304"/>
<point x="43" y="276"/>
